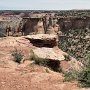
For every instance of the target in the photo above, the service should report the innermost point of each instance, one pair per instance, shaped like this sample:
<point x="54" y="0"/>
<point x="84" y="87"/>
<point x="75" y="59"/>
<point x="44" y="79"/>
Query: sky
<point x="44" y="4"/>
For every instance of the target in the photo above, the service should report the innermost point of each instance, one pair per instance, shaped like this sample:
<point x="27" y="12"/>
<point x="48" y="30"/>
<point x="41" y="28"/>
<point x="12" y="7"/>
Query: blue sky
<point x="44" y="4"/>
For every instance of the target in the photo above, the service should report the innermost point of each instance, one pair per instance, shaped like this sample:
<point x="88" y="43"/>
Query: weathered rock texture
<point x="12" y="21"/>
<point x="71" y="65"/>
<point x="43" y="40"/>
<point x="48" y="53"/>
<point x="28" y="76"/>
<point x="40" y="28"/>
<point x="45" y="44"/>
<point x="74" y="22"/>
<point x="46" y="48"/>
<point x="29" y="23"/>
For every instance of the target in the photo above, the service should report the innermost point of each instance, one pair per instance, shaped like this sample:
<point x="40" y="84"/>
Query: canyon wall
<point x="75" y="38"/>
<point x="74" y="23"/>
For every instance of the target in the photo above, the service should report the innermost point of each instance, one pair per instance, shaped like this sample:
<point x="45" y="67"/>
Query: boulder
<point x="48" y="53"/>
<point x="46" y="48"/>
<point x="43" y="40"/>
<point x="71" y="65"/>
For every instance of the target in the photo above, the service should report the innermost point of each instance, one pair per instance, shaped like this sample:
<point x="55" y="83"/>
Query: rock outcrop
<point x="48" y="53"/>
<point x="46" y="49"/>
<point x="50" y="30"/>
<point x="43" y="40"/>
<point x="40" y="28"/>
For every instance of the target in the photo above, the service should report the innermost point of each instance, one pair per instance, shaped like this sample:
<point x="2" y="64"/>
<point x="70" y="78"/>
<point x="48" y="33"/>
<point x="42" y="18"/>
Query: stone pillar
<point x="56" y="28"/>
<point x="50" y="30"/>
<point x="40" y="28"/>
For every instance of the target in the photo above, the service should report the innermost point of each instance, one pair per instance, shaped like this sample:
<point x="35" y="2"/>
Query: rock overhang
<point x="48" y="54"/>
<point x="43" y="40"/>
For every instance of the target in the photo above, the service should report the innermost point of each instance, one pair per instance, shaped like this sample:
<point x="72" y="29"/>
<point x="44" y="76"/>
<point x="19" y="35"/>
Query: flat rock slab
<point x="43" y="40"/>
<point x="48" y="53"/>
<point x="41" y="36"/>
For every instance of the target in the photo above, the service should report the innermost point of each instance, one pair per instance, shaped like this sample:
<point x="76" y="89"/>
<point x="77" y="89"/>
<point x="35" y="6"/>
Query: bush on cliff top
<point x="18" y="56"/>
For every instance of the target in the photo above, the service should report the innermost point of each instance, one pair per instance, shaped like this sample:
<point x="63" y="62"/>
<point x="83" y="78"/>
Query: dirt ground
<point x="27" y="76"/>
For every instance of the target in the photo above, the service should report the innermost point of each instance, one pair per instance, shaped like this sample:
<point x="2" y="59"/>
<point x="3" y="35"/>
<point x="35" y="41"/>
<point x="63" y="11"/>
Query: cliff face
<point x="74" y="23"/>
<point x="12" y="21"/>
<point x="65" y="23"/>
<point x="30" y="25"/>
<point x="76" y="36"/>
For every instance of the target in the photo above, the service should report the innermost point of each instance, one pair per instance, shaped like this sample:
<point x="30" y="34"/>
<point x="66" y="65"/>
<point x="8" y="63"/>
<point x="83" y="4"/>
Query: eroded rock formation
<point x="47" y="49"/>
<point x="40" y="28"/>
<point x="74" y="23"/>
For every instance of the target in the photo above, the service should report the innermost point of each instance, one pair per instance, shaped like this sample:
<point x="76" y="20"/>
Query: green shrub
<point x="69" y="76"/>
<point x="47" y="71"/>
<point x="84" y="78"/>
<point x="40" y="61"/>
<point x="17" y="56"/>
<point x="84" y="75"/>
<point x="67" y="57"/>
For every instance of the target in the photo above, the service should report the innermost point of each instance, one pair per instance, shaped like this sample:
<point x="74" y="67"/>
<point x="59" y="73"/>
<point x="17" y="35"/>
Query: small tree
<point x="18" y="56"/>
<point x="84" y="75"/>
<point x="67" y="57"/>
<point x="69" y="76"/>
